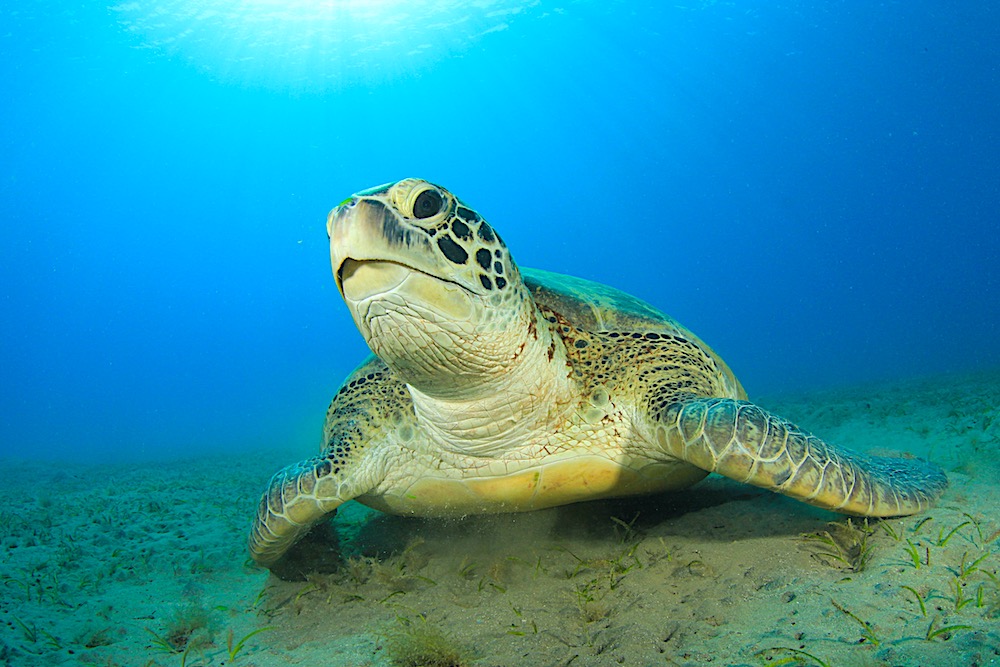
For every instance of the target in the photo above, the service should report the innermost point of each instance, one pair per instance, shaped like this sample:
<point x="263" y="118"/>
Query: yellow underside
<point x="560" y="483"/>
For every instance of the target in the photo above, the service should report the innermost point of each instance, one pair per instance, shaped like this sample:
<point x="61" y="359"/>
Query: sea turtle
<point x="499" y="389"/>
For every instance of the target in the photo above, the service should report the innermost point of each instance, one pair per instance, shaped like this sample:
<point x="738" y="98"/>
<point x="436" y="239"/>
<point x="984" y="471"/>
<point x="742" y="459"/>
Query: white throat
<point x="533" y="392"/>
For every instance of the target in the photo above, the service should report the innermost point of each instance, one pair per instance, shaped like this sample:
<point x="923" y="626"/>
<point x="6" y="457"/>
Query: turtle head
<point x="430" y="285"/>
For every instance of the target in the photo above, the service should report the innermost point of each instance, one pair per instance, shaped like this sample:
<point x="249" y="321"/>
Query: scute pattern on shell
<point x="637" y="364"/>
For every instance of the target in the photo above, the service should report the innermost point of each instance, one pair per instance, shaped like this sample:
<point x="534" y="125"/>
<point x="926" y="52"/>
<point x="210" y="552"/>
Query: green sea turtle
<point x="499" y="389"/>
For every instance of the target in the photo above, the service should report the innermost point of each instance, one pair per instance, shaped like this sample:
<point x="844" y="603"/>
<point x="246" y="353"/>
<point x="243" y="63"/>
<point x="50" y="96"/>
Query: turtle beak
<point x="364" y="231"/>
<point x="356" y="229"/>
<point x="346" y="267"/>
<point x="336" y="213"/>
<point x="331" y="220"/>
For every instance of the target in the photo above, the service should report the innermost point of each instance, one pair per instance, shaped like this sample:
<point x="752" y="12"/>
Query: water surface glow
<point x="315" y="43"/>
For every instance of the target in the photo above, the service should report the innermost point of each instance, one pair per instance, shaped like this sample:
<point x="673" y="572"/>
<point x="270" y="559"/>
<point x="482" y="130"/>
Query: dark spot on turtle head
<point x="483" y="257"/>
<point x="454" y="252"/>
<point x="430" y="231"/>
<point x="501" y="283"/>
<point x="498" y="268"/>
<point x="485" y="281"/>
<point x="467" y="214"/>
<point x="461" y="230"/>
<point x="486" y="232"/>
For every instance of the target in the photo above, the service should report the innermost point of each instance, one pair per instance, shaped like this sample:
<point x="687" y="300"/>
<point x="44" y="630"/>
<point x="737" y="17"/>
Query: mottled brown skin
<point x="582" y="392"/>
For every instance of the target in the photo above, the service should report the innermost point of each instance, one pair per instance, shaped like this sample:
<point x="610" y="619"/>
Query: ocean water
<point x="811" y="187"/>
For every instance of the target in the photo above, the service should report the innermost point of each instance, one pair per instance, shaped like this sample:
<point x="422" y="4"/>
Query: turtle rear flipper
<point x="748" y="444"/>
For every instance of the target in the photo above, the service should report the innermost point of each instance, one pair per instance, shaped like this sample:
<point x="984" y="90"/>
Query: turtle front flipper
<point x="297" y="498"/>
<point x="748" y="444"/>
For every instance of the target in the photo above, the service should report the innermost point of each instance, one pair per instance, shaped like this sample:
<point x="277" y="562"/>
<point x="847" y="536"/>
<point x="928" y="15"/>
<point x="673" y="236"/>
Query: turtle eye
<point x="428" y="203"/>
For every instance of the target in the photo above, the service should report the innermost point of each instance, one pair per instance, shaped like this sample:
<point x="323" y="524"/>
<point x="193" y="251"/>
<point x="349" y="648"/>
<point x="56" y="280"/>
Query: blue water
<point x="812" y="187"/>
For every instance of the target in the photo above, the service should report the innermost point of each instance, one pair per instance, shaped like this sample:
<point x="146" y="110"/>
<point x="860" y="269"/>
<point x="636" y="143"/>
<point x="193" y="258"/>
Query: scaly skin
<point x="748" y="444"/>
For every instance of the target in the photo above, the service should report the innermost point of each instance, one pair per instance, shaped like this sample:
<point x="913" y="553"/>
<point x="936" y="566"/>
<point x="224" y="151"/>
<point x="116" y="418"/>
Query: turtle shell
<point x="596" y="307"/>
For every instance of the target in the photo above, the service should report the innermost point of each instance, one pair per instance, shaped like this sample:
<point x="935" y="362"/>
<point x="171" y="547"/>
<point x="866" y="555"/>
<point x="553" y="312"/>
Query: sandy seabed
<point x="146" y="565"/>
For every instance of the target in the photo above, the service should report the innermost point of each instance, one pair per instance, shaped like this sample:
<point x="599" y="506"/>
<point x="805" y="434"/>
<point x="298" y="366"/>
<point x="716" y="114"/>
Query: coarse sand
<point x="145" y="564"/>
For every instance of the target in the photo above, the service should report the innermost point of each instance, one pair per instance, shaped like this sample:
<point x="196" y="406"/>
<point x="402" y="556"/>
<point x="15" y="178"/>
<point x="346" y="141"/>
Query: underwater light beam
<point x="309" y="42"/>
